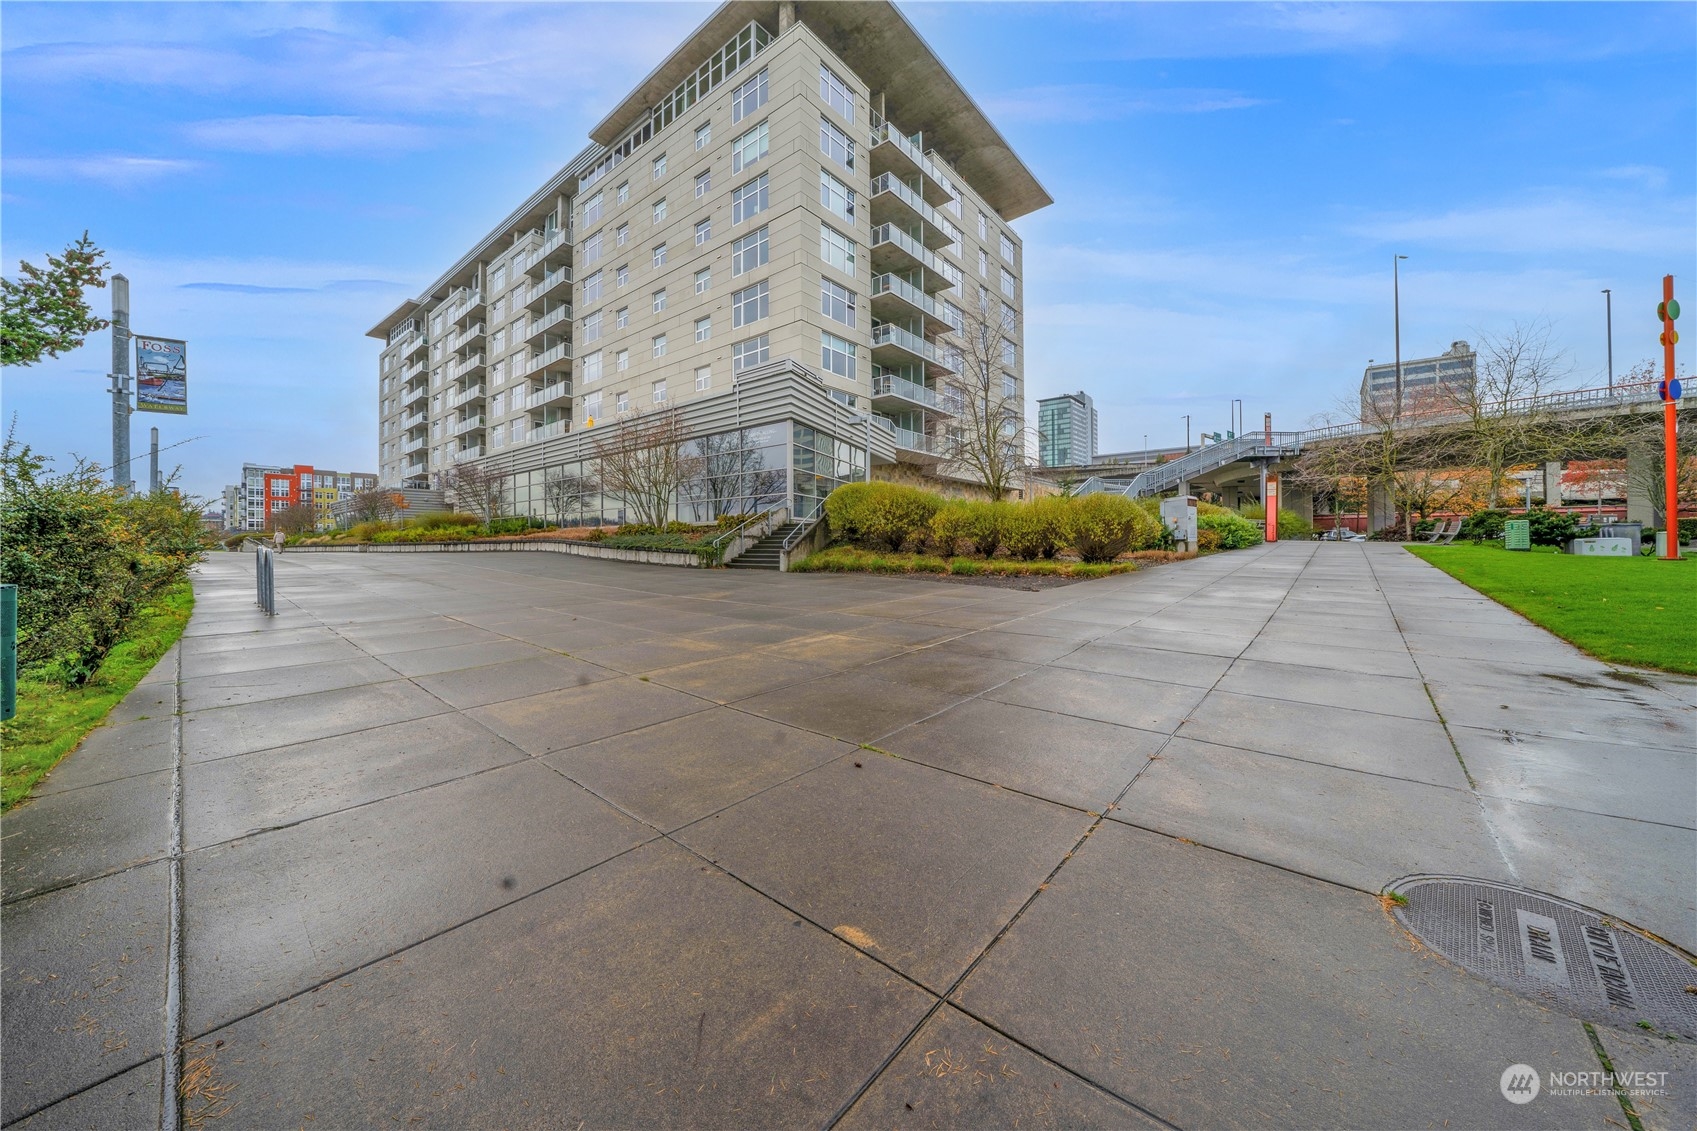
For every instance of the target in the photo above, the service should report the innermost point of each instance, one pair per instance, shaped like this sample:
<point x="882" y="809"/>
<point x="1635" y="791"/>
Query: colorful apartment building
<point x="266" y="490"/>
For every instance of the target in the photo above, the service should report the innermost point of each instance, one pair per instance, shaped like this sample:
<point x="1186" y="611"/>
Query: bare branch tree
<point x="375" y="505"/>
<point x="478" y="489"/>
<point x="563" y="492"/>
<point x="1499" y="420"/>
<point x="986" y="440"/>
<point x="302" y="518"/>
<point x="643" y="462"/>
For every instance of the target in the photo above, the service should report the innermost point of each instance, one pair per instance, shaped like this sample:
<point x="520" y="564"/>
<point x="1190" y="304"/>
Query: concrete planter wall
<point x="542" y="545"/>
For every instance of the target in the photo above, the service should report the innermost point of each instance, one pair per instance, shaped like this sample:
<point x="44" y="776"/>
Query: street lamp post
<point x="1187" y="433"/>
<point x="1609" y="316"/>
<point x="1237" y="414"/>
<point x="1396" y="305"/>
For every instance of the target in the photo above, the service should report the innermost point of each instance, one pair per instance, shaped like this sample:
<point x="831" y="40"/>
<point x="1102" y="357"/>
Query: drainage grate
<point x="1552" y="951"/>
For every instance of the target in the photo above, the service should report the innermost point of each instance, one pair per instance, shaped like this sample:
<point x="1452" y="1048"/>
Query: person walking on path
<point x="278" y="537"/>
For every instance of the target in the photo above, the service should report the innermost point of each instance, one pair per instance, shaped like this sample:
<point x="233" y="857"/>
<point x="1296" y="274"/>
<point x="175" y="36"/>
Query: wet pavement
<point x="530" y="840"/>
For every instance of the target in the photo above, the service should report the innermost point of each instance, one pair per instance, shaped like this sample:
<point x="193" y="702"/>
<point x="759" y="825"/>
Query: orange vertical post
<point x="1670" y="423"/>
<point x="1272" y="506"/>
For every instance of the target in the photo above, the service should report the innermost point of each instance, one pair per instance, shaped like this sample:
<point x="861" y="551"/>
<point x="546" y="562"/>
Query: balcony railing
<point x="548" y="321"/>
<point x="895" y="237"/>
<point x="465" y="336"/>
<point x="413" y="370"/>
<point x="411" y="393"/>
<point x="465" y="365"/>
<point x="416" y="463"/>
<point x="412" y="344"/>
<point x="550" y="430"/>
<point x="888" y="334"/>
<point x="466" y="396"/>
<point x="413" y="420"/>
<point x="557" y="239"/>
<point x="890" y="183"/>
<point x="889" y="385"/>
<point x="473" y="451"/>
<point x="413" y="445"/>
<point x="902" y="289"/>
<point x="910" y="441"/>
<point x="469" y="424"/>
<point x="552" y="356"/>
<point x="555" y="278"/>
<point x="884" y="133"/>
<point x="554" y="391"/>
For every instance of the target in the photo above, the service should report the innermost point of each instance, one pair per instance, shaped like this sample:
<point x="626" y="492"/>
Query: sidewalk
<point x="521" y="840"/>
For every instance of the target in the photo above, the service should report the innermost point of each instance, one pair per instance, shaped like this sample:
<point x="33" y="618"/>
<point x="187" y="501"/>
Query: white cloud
<point x="1541" y="226"/>
<point x="120" y="170"/>
<point x="1652" y="177"/>
<point x="1097" y="103"/>
<point x="306" y="133"/>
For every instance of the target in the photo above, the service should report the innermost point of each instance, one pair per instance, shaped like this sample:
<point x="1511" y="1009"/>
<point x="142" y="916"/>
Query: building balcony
<point x="891" y="393"/>
<point x="416" y="369"/>
<point x="916" y="447"/>
<point x="555" y="357"/>
<point x="416" y="465"/>
<point x="414" y="420"/>
<point x="550" y="285"/>
<point x="556" y="392"/>
<point x="894" y="346"/>
<point x="555" y="249"/>
<point x="466" y="396"/>
<point x="466" y="366"/>
<point x="413" y="344"/>
<point x="470" y="451"/>
<point x="894" y="299"/>
<point x="414" y="445"/>
<point x="894" y="251"/>
<point x="889" y="195"/>
<point x="893" y="152"/>
<point x="546" y="322"/>
<point x="464" y="336"/>
<point x="473" y="423"/>
<point x="464" y="304"/>
<point x="549" y="430"/>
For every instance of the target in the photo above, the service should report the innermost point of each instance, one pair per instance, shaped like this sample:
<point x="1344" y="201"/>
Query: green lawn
<point x="1625" y="610"/>
<point x="52" y="718"/>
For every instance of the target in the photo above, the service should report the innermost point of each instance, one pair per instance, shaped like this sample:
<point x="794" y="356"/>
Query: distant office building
<point x="1428" y="383"/>
<point x="265" y="490"/>
<point x="1066" y="430"/>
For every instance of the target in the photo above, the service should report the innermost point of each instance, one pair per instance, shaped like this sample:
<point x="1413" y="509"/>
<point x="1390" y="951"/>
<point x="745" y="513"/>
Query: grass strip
<point x="52" y="718"/>
<point x="1624" y="610"/>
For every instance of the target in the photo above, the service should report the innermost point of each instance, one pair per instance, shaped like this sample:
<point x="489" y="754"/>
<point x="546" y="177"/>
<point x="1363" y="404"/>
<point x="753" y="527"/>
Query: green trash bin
<point x="1517" y="534"/>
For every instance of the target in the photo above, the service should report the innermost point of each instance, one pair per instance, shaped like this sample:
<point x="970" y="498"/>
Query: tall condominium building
<point x="1429" y="384"/>
<point x="265" y="490"/>
<point x="793" y="233"/>
<point x="1066" y="430"/>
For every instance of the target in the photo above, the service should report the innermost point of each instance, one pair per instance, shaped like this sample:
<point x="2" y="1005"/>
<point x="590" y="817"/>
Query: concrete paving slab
<point x="1335" y="636"/>
<point x="652" y="655"/>
<point x="1015" y="646"/>
<point x="835" y="651"/>
<point x="235" y="688"/>
<point x="267" y="654"/>
<point x="676" y="772"/>
<point x="113" y="751"/>
<point x="82" y="986"/>
<point x="1141" y="703"/>
<point x="1356" y="740"/>
<point x="431" y="661"/>
<point x="755" y="1019"/>
<point x="62" y="838"/>
<point x="1295" y="683"/>
<point x="1159" y="664"/>
<point x="857" y="849"/>
<point x="1641" y="872"/>
<point x="231" y="797"/>
<point x="1367" y="1029"/>
<point x="128" y="1100"/>
<point x="958" y="1073"/>
<point x="1567" y="714"/>
<point x="1600" y="777"/>
<point x="555" y="720"/>
<point x="727" y="679"/>
<point x="257" y="640"/>
<point x="515" y="679"/>
<point x="270" y="916"/>
<point x="222" y="732"/>
<point x="1356" y="829"/>
<point x="1071" y="761"/>
<point x="1156" y="634"/>
<point x="855" y="707"/>
<point x="1362" y="660"/>
<point x="388" y="639"/>
<point x="950" y="672"/>
<point x="1669" y="1102"/>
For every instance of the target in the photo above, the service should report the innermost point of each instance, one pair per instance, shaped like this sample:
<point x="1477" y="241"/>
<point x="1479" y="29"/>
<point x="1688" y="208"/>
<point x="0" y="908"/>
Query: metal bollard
<point x="8" y="651"/>
<point x="265" y="578"/>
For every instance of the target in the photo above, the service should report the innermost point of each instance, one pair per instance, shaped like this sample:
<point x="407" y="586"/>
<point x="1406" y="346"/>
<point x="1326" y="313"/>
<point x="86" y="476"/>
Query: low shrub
<point x="1688" y="530"/>
<point x="519" y="524"/>
<point x="1551" y="528"/>
<point x="426" y="534"/>
<point x="1483" y="525"/>
<point x="671" y="542"/>
<point x="987" y="526"/>
<point x="1035" y="529"/>
<point x="1207" y="541"/>
<point x="732" y="521"/>
<point x="1101" y="527"/>
<point x="881" y="514"/>
<point x="950" y="526"/>
<point x="1234" y="532"/>
<point x="1291" y="524"/>
<point x="848" y="559"/>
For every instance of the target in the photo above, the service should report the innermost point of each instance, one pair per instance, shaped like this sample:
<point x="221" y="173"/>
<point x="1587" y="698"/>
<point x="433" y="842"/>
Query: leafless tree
<point x="1498" y="419"/>
<point x="565" y="492"/>
<point x="986" y="440"/>
<point x="478" y="489"/>
<point x="376" y="505"/>
<point x="302" y="518"/>
<point x="643" y="462"/>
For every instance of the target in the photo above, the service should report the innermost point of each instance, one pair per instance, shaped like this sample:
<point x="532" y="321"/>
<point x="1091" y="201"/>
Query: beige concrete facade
<point x="632" y="280"/>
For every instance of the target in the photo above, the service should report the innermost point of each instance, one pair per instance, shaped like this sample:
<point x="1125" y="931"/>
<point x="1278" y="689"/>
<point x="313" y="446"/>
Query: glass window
<point x="836" y="249"/>
<point x="836" y="196"/>
<point x="621" y="317"/>
<point x="621" y="360"/>
<point x="754" y="351"/>
<point x="660" y="256"/>
<point x="500" y="282"/>
<point x="592" y="327"/>
<point x="660" y="166"/>
<point x="659" y="345"/>
<point x="1009" y="283"/>
<point x="591" y="214"/>
<point x="836" y="302"/>
<point x="592" y="405"/>
<point x="836" y="93"/>
<point x="621" y="234"/>
<point x="748" y="148"/>
<point x="498" y="341"/>
<point x="836" y="355"/>
<point x="1007" y="248"/>
<point x="703" y="329"/>
<point x="592" y="248"/>
<point x="591" y="368"/>
<point x="623" y="401"/>
<point x="703" y="183"/>
<point x="659" y="393"/>
<point x="1010" y="318"/>
<point x="749" y="97"/>
<point x="591" y="290"/>
<point x="749" y="201"/>
<point x="659" y="300"/>
<point x="703" y="378"/>
<point x="749" y="252"/>
<point x="1009" y="354"/>
<point x="703" y="280"/>
<point x="835" y="144"/>
<point x="749" y="305"/>
<point x="703" y="135"/>
<point x="624" y="193"/>
<point x="983" y="226"/>
<point x="660" y="211"/>
<point x="703" y="231"/>
<point x="984" y="263"/>
<point x="1009" y="387"/>
<point x="623" y="274"/>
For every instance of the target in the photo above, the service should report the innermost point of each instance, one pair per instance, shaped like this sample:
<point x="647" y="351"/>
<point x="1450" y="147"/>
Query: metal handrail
<point x="721" y="539"/>
<point x="805" y="526"/>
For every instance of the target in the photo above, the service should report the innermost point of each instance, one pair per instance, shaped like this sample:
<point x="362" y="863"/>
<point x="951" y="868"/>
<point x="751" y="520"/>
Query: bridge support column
<point x="1552" y="483"/>
<point x="1640" y="504"/>
<point x="1297" y="501"/>
<point x="1381" y="508"/>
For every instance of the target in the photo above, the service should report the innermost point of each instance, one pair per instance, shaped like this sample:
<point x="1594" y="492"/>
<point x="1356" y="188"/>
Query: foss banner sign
<point x="162" y="375"/>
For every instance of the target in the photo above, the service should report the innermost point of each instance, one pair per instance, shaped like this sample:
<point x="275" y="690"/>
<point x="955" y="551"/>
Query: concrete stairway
<point x="764" y="554"/>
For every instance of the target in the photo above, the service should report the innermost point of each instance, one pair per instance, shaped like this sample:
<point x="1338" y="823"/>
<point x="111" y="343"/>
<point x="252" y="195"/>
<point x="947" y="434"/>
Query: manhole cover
<point x="1553" y="951"/>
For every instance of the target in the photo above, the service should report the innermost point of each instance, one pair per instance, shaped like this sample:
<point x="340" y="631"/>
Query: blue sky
<point x="1231" y="182"/>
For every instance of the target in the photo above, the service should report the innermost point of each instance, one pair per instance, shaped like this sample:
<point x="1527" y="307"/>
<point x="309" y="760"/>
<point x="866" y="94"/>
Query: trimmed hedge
<point x="881" y="514"/>
<point x="1233" y="531"/>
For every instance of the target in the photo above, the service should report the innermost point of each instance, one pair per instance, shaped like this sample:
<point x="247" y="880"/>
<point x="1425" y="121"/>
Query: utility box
<point x="1605" y="547"/>
<point x="1631" y="530"/>
<point x="1517" y="534"/>
<point x="1178" y="515"/>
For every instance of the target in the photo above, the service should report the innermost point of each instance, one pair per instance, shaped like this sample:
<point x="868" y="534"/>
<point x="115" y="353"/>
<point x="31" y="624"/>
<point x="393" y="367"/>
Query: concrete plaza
<point x="489" y="840"/>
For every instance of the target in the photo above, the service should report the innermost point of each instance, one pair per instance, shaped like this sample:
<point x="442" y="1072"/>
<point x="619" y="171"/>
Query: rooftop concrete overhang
<point x="877" y="42"/>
